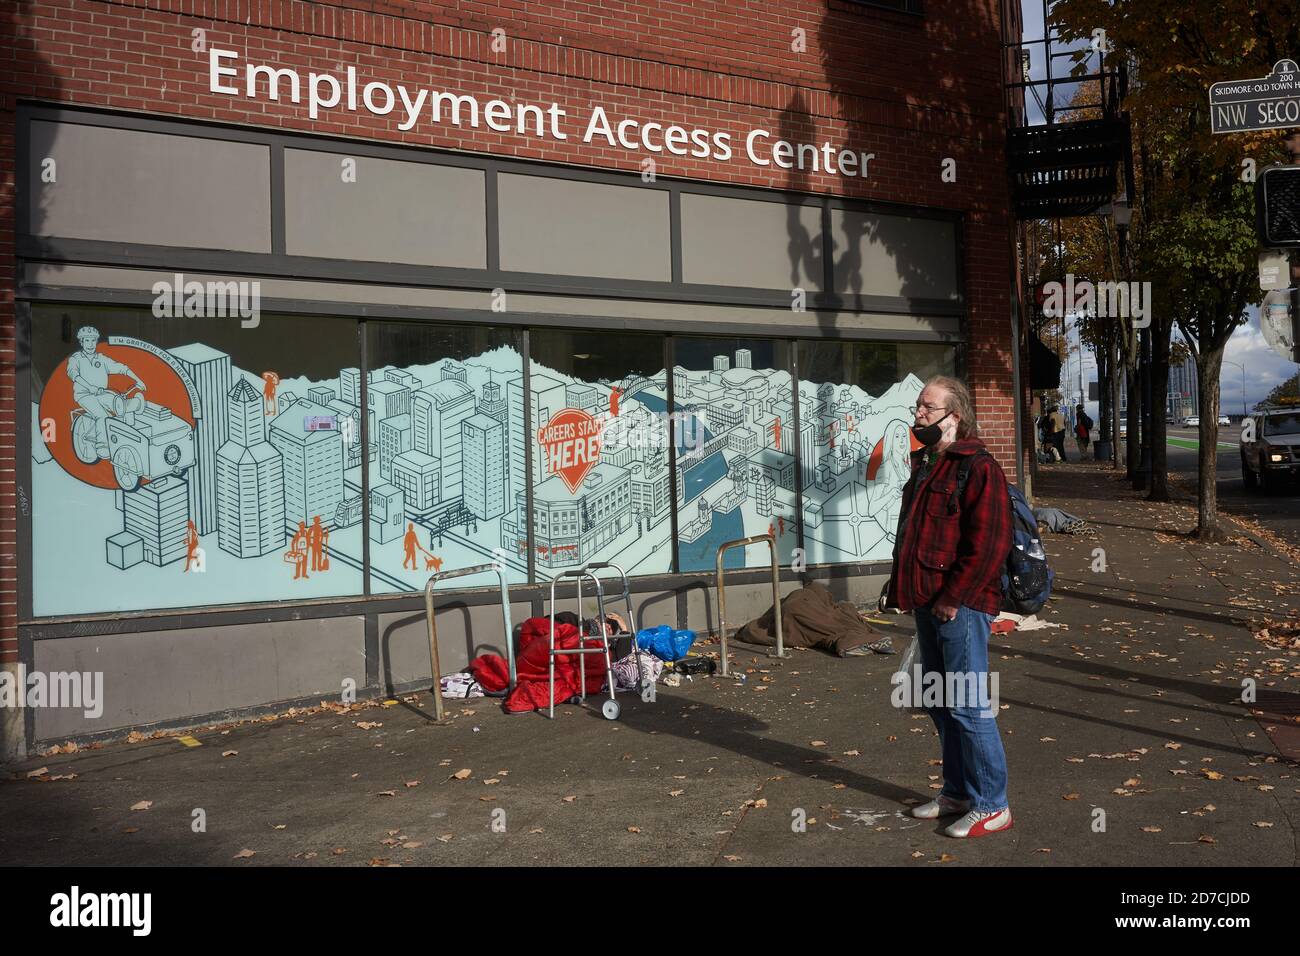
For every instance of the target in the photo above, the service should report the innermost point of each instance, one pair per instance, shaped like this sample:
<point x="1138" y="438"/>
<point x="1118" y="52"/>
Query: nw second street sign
<point x="1269" y="102"/>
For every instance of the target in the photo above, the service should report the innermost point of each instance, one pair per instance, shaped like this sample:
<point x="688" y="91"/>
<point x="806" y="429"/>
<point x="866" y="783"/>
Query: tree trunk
<point x="1159" y="400"/>
<point x="1209" y="365"/>
<point x="1133" y="443"/>
<point x="1116" y="370"/>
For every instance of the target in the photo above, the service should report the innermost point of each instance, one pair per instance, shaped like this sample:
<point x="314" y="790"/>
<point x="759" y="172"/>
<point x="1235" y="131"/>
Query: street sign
<point x="1268" y="102"/>
<point x="1275" y="323"/>
<point x="1274" y="270"/>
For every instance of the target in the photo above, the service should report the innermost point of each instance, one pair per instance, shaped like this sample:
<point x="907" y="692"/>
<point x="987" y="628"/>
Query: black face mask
<point x="929" y="435"/>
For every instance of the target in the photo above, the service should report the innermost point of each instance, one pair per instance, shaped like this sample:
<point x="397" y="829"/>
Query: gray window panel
<point x="393" y="212"/>
<point x="894" y="255"/>
<point x="127" y="186"/>
<point x="142" y="684"/>
<point x="566" y="227"/>
<point x="749" y="243"/>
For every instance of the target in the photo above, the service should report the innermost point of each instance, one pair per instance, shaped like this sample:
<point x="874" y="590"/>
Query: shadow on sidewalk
<point x="1163" y="610"/>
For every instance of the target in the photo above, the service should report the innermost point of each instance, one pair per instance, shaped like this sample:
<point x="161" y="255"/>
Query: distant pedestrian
<point x="1082" y="429"/>
<point x="1057" y="428"/>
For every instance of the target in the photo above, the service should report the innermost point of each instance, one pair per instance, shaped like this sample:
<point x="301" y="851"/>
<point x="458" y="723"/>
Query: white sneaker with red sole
<point x="979" y="823"/>
<point x="941" y="806"/>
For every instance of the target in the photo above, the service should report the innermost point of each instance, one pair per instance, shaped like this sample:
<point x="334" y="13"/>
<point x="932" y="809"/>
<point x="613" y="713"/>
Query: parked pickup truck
<point x="1272" y="456"/>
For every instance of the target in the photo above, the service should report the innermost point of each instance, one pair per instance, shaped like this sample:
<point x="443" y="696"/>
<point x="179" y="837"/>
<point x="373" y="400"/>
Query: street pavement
<point x="1133" y="707"/>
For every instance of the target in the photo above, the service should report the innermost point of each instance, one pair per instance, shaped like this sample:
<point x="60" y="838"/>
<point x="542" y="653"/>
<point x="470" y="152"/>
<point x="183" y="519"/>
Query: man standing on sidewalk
<point x="952" y="543"/>
<point x="1057" y="429"/>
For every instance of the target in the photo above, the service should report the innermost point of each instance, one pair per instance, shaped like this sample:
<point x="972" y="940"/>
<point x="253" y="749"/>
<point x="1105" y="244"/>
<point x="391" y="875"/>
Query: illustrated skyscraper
<point x="436" y="414"/>
<point x="313" y="466"/>
<point x="483" y="445"/>
<point x="548" y="397"/>
<point x="210" y="372"/>
<point x="250" y="480"/>
<point x="157" y="513"/>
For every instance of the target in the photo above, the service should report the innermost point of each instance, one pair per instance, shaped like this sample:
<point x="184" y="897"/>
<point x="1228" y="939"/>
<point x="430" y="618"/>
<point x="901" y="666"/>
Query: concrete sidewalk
<point x="1133" y="708"/>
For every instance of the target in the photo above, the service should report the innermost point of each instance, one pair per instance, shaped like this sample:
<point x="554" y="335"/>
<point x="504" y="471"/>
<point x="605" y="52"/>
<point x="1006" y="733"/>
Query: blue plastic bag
<point x="664" y="642"/>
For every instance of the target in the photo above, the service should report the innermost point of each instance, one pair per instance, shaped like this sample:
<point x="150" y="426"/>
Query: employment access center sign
<point x="1270" y="102"/>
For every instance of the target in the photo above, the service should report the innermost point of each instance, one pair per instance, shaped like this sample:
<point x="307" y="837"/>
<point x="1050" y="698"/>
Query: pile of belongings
<point x="811" y="617"/>
<point x="532" y="666"/>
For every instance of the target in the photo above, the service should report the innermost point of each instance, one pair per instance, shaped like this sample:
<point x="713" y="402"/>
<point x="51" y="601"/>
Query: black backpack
<point x="1026" y="577"/>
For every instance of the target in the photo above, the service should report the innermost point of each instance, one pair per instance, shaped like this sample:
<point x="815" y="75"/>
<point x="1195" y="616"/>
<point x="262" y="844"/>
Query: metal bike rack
<point x="776" y="593"/>
<point x="433" y="631"/>
<point x="610" y="709"/>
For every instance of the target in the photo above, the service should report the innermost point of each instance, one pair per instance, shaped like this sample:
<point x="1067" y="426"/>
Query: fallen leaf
<point x="1212" y="774"/>
<point x="675" y="793"/>
<point x="131" y="830"/>
<point x="461" y="775"/>
<point x="386" y="793"/>
<point x="1043" y="849"/>
<point x="535" y="830"/>
<point x="1206" y="838"/>
<point x="1263" y="824"/>
<point x="852" y="753"/>
<point x="368" y="724"/>
<point x="1150" y="829"/>
<point x="338" y="851"/>
<point x="946" y="858"/>
<point x="731" y="859"/>
<point x="570" y="799"/>
<point x="1069" y="796"/>
<point x="1047" y="740"/>
<point x="1173" y="746"/>
<point x="1132" y="782"/>
<point x="1074" y="760"/>
<point x="412" y="845"/>
<point x="760" y="804"/>
<point x="230" y="753"/>
<point x="142" y="805"/>
<point x="817" y="743"/>
<point x="279" y="826"/>
<point x="412" y="783"/>
<point x="37" y="773"/>
<point x="243" y="855"/>
<point x="633" y="829"/>
<point x="917" y="854"/>
<point x="446" y="838"/>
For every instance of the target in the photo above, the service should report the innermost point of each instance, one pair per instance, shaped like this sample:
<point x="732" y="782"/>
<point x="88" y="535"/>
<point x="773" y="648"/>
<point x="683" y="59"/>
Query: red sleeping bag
<point x="532" y="668"/>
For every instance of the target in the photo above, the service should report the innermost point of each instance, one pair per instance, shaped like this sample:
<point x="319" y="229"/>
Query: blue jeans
<point x="974" y="763"/>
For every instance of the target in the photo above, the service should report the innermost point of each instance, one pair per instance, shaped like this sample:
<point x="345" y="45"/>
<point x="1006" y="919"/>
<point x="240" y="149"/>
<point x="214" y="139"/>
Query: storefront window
<point x="737" y="469"/>
<point x="854" y="403"/>
<point x="602" y="486"/>
<point x="442" y="435"/>
<point x="179" y="461"/>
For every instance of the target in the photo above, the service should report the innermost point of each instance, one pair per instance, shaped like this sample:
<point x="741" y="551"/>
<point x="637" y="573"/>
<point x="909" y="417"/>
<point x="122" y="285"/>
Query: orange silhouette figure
<point x="780" y="523"/>
<point x="317" y="535"/>
<point x="191" y="544"/>
<point x="771" y="529"/>
<point x="409" y="543"/>
<point x="271" y="380"/>
<point x="297" y="553"/>
<point x="776" y="432"/>
<point x="614" y="393"/>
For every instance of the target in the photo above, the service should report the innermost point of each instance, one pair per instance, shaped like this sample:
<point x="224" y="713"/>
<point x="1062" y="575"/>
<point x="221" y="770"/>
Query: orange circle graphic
<point x="162" y="387"/>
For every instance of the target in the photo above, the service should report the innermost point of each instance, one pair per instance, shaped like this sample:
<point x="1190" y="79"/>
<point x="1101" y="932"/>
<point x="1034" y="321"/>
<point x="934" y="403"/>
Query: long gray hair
<point x="959" y="401"/>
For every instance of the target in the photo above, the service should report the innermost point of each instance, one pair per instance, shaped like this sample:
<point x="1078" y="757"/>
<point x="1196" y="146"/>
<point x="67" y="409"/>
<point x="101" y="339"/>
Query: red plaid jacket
<point x="948" y="551"/>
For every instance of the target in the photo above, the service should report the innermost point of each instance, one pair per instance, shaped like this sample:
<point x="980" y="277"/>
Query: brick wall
<point x="913" y="90"/>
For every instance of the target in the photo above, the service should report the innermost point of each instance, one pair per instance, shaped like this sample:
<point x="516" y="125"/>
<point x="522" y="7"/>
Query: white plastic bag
<point x="905" y="675"/>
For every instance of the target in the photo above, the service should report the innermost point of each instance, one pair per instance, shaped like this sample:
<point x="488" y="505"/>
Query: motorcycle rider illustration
<point x="89" y="371"/>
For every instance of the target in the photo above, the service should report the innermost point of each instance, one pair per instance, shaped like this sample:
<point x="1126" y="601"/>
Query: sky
<point x="1263" y="368"/>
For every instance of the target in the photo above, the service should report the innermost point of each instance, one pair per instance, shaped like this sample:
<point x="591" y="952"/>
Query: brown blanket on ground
<point x="811" y="617"/>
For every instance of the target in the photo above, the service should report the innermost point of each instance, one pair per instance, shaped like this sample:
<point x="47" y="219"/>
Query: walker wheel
<point x="610" y="709"/>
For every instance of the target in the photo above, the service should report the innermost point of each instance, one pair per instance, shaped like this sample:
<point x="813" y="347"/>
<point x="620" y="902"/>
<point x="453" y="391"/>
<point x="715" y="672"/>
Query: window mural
<point x="185" y="462"/>
<point x="602" y="485"/>
<point x="855" y="407"/>
<point x="738" y="478"/>
<point x="175" y="461"/>
<point x="444" y="432"/>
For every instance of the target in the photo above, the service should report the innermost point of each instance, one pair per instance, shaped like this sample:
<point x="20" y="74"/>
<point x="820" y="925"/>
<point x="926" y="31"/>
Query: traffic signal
<point x="1277" y="207"/>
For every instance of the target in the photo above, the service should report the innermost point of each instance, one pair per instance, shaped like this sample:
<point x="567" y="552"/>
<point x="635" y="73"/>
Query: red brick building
<point x="437" y="230"/>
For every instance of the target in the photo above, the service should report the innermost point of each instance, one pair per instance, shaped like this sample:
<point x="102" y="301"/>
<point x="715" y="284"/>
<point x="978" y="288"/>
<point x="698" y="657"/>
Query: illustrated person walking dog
<point x="951" y="546"/>
<point x="89" y="370"/>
